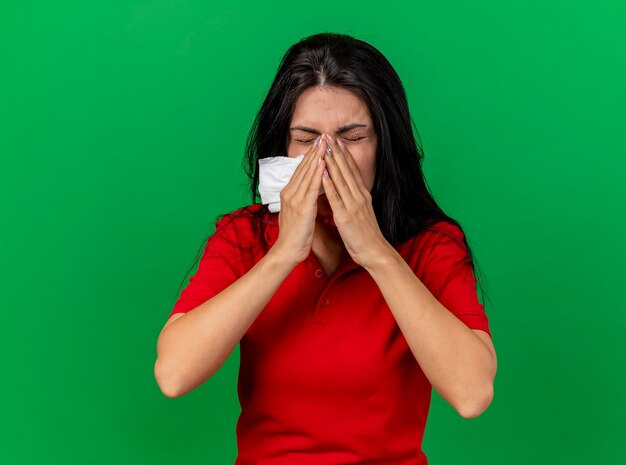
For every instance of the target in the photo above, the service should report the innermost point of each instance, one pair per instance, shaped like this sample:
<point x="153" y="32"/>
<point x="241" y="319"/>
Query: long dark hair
<point x="401" y="198"/>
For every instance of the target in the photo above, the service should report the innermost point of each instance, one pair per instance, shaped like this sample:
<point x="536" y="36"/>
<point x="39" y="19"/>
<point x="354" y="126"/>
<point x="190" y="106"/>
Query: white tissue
<point x="274" y="174"/>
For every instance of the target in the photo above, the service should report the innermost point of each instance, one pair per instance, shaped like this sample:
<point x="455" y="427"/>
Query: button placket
<point x="327" y="283"/>
<point x="321" y="308"/>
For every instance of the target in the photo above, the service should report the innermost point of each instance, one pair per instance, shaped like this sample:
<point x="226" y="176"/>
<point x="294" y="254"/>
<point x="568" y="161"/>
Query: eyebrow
<point x="341" y="130"/>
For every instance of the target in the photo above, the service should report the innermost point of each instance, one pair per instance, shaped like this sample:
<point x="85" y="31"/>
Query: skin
<point x="459" y="362"/>
<point x="327" y="110"/>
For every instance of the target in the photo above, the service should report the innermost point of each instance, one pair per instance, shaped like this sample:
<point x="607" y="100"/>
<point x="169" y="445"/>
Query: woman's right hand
<point x="298" y="204"/>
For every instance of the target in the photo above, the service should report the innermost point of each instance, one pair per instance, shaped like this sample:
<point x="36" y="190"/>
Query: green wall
<point x="122" y="129"/>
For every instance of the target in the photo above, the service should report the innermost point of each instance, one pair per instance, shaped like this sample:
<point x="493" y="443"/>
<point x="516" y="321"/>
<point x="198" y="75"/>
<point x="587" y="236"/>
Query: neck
<point x="327" y="238"/>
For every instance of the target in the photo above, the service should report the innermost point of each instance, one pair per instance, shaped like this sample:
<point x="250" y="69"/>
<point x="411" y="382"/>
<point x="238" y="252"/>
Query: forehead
<point x="332" y="106"/>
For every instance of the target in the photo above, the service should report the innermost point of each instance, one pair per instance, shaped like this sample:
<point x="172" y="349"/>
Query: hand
<point x="351" y="203"/>
<point x="298" y="204"/>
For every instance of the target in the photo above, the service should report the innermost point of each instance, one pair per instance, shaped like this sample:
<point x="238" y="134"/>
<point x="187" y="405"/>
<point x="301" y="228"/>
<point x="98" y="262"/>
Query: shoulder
<point x="446" y="240"/>
<point x="242" y="225"/>
<point x="445" y="228"/>
<point x="440" y="243"/>
<point x="440" y="234"/>
<point x="242" y="215"/>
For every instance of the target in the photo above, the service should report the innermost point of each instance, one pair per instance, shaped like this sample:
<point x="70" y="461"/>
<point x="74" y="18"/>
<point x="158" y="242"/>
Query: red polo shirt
<point x="326" y="376"/>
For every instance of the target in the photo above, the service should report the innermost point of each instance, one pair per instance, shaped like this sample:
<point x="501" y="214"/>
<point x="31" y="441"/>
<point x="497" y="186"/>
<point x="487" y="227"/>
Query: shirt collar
<point x="271" y="229"/>
<point x="271" y="235"/>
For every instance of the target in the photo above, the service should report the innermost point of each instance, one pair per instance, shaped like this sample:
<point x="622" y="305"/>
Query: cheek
<point x="290" y="150"/>
<point x="296" y="148"/>
<point x="364" y="156"/>
<point x="367" y="168"/>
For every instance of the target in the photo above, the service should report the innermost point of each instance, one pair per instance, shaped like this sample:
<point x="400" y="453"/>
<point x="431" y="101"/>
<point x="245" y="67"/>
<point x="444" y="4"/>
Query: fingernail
<point x="318" y="141"/>
<point x="330" y="139"/>
<point x="329" y="151"/>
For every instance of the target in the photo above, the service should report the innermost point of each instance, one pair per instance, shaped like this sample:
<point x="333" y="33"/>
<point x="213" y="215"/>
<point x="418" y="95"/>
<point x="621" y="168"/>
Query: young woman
<point x="349" y="306"/>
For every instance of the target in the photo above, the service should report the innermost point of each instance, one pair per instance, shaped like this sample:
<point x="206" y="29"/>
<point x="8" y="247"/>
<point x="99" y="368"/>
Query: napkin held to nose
<point x="274" y="174"/>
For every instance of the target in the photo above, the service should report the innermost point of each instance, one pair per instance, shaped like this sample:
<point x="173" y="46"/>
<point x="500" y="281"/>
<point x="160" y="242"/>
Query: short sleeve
<point x="449" y="276"/>
<point x="216" y="271"/>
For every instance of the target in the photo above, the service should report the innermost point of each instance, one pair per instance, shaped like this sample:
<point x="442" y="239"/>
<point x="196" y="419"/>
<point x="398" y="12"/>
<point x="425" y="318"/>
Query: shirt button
<point x="325" y="301"/>
<point x="319" y="273"/>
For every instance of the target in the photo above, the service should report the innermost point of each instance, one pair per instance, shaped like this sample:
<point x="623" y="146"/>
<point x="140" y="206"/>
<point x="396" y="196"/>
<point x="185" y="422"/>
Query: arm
<point x="192" y="346"/>
<point x="459" y="362"/>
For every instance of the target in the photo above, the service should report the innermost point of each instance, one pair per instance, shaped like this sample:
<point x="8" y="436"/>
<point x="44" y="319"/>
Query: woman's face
<point x="341" y="114"/>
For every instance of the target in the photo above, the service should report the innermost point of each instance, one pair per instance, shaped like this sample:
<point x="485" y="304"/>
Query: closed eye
<point x="351" y="139"/>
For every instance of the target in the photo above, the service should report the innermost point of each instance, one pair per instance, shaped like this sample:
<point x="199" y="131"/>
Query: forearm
<point x="194" y="347"/>
<point x="456" y="361"/>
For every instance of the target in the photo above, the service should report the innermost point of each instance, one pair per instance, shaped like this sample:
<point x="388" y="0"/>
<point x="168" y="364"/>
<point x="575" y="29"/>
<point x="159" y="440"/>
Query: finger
<point x="344" y="168"/>
<point x="311" y="171"/>
<point x="314" y="189"/>
<point x="305" y="162"/>
<point x="339" y="182"/>
<point x="352" y="164"/>
<point x="334" y="199"/>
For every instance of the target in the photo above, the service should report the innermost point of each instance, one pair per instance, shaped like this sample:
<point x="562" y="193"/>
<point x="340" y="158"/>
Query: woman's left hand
<point x="351" y="203"/>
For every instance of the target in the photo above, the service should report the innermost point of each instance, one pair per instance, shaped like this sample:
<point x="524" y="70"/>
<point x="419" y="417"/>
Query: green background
<point x="122" y="129"/>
